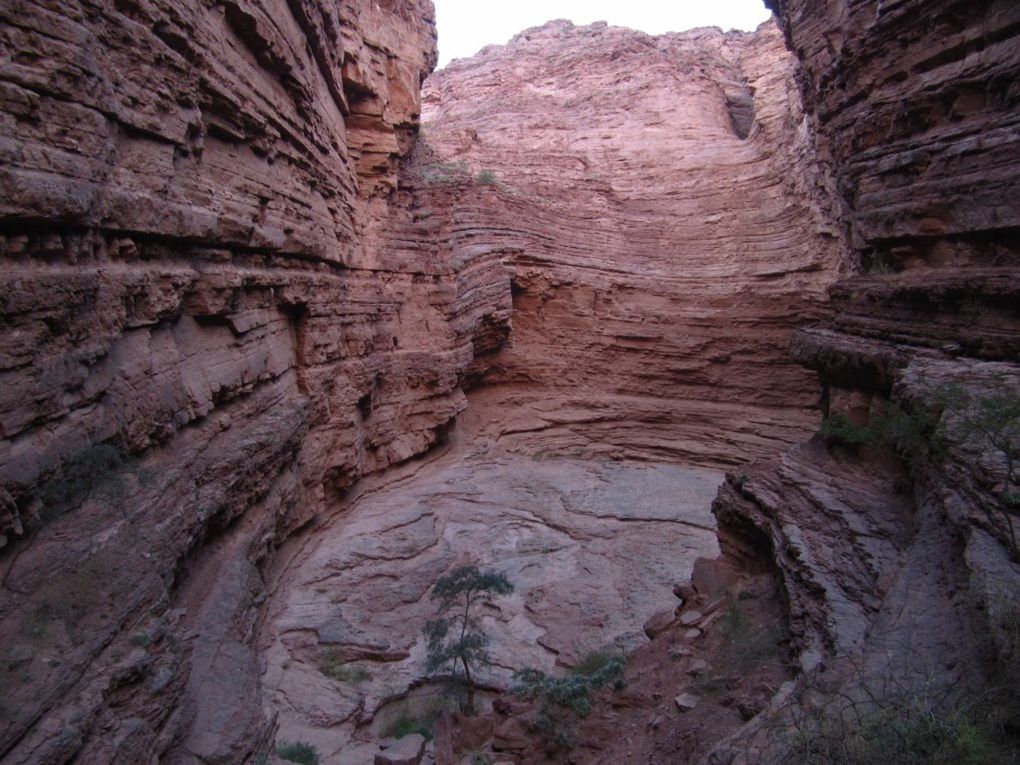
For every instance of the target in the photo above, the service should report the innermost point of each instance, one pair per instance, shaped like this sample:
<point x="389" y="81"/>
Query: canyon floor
<point x="593" y="546"/>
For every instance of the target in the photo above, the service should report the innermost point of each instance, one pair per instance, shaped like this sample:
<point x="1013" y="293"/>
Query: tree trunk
<point x="469" y="705"/>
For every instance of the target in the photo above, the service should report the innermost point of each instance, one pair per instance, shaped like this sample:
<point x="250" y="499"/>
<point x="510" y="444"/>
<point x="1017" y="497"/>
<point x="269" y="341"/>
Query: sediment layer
<point x="666" y="226"/>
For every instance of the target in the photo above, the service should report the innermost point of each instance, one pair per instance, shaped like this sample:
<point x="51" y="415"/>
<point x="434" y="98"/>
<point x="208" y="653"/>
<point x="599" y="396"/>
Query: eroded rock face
<point x="915" y="103"/>
<point x="666" y="224"/>
<point x="592" y="547"/>
<point x="212" y="324"/>
<point x="230" y="292"/>
<point x="894" y="575"/>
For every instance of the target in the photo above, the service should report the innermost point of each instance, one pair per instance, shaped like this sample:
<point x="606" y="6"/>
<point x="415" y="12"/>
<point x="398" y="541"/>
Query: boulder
<point x="401" y="751"/>
<point x="699" y="667"/>
<point x="685" y="702"/>
<point x="659" y="622"/>
<point x="511" y="736"/>
<point x="690" y="618"/>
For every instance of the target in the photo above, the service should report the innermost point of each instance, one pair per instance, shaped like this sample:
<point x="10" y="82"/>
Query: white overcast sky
<point x="467" y="26"/>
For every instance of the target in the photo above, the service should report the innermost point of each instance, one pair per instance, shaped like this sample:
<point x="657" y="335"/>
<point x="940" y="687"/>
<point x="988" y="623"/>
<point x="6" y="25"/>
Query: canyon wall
<point x="235" y="282"/>
<point x="218" y="311"/>
<point x="666" y="224"/>
<point x="898" y="573"/>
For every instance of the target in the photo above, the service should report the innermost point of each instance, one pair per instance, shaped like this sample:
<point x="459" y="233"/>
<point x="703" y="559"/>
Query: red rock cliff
<point x="217" y="311"/>
<point x="894" y="574"/>
<point x="234" y="283"/>
<point x="658" y="202"/>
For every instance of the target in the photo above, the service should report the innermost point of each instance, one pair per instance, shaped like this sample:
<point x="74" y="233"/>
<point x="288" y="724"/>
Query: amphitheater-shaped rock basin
<point x="594" y="548"/>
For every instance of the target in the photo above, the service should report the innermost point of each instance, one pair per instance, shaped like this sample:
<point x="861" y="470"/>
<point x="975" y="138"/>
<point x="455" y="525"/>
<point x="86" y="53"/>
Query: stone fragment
<point x="659" y="622"/>
<point x="472" y="731"/>
<point x="698" y="667"/>
<point x="685" y="702"/>
<point x="160" y="679"/>
<point x="511" y="736"/>
<point x="407" y="750"/>
<point x="749" y="707"/>
<point x="688" y="618"/>
<point x="442" y="741"/>
<point x="685" y="591"/>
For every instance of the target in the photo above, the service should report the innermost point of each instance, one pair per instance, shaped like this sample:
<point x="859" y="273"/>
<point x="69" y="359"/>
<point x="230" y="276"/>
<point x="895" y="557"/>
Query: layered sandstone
<point x="218" y="312"/>
<point x="235" y="284"/>
<point x="226" y="303"/>
<point x="592" y="547"/>
<point x="895" y="577"/>
<point x="666" y="225"/>
<point x="915" y="105"/>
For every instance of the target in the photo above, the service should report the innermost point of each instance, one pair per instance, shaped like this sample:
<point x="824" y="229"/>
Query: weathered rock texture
<point x="223" y="305"/>
<point x="894" y="576"/>
<point x="657" y="204"/>
<point x="218" y="312"/>
<point x="666" y="224"/>
<point x="915" y="104"/>
<point x="233" y="284"/>
<point x="593" y="548"/>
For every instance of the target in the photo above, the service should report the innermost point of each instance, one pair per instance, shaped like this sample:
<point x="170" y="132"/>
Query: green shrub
<point x="573" y="691"/>
<point x="839" y="429"/>
<point x="299" y="752"/>
<point x="951" y="415"/>
<point x="595" y="661"/>
<point x="91" y="469"/>
<point x="444" y="172"/>
<point x="905" y="733"/>
<point x="487" y="177"/>
<point x="565" y="699"/>
<point x="421" y="721"/>
<point x="332" y="664"/>
<point x="907" y="434"/>
<point x="749" y="643"/>
<point x="991" y="422"/>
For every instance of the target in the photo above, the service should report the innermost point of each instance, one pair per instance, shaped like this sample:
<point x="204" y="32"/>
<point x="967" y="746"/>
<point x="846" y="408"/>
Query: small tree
<point x="455" y="636"/>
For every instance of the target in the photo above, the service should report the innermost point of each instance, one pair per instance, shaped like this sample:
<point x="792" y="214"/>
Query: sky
<point x="467" y="26"/>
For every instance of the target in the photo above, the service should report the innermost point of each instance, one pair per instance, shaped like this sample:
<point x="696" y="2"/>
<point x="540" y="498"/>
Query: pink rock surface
<point x="593" y="548"/>
<point x="883" y="560"/>
<point x="658" y="203"/>
<point x="234" y="284"/>
<point x="218" y="313"/>
<point x="915" y="103"/>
